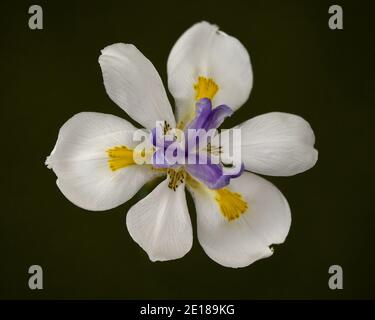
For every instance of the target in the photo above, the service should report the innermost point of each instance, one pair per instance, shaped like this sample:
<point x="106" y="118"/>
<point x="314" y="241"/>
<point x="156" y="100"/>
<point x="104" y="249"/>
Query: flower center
<point x="191" y="150"/>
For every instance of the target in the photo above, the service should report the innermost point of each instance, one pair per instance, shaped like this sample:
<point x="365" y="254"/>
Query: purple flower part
<point x="170" y="157"/>
<point x="159" y="140"/>
<point x="202" y="112"/>
<point x="198" y="140"/>
<point x="207" y="118"/>
<point x="155" y="137"/>
<point x="209" y="174"/>
<point x="217" y="117"/>
<point x="200" y="157"/>
<point x="213" y="175"/>
<point x="159" y="160"/>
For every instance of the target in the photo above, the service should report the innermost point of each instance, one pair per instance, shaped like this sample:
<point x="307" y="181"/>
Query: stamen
<point x="232" y="205"/>
<point x="176" y="177"/>
<point x="166" y="127"/>
<point x="213" y="149"/>
<point x="205" y="88"/>
<point x="120" y="157"/>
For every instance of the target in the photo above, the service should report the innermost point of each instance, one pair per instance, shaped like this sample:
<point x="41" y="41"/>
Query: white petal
<point x="133" y="83"/>
<point x="277" y="144"/>
<point x="80" y="161"/>
<point x="160" y="223"/>
<point x="242" y="241"/>
<point x="203" y="50"/>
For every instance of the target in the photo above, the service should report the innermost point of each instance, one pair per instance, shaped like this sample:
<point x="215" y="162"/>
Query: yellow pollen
<point x="120" y="157"/>
<point x="205" y="88"/>
<point x="231" y="204"/>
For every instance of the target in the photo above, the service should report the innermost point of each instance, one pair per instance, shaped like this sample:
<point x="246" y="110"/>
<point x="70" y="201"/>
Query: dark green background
<point x="300" y="66"/>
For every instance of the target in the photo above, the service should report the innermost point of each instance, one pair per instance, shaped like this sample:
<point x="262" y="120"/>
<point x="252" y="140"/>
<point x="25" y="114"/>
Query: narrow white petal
<point x="133" y="83"/>
<point x="80" y="161"/>
<point x="242" y="241"/>
<point x="205" y="51"/>
<point x="160" y="223"/>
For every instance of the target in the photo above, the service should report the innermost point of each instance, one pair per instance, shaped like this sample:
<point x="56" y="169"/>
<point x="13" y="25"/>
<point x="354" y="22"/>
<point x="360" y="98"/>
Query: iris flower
<point x="239" y="216"/>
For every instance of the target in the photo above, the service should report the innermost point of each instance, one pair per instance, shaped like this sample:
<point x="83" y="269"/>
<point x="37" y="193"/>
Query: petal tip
<point x="48" y="162"/>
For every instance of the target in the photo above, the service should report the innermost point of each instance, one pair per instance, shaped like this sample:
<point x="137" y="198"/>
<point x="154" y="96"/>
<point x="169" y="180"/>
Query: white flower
<point x="237" y="224"/>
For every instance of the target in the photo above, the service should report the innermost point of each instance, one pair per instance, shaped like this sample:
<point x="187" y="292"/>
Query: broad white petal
<point x="133" y="83"/>
<point x="276" y="144"/>
<point x="160" y="223"/>
<point x="80" y="161"/>
<point x="242" y="241"/>
<point x="205" y="51"/>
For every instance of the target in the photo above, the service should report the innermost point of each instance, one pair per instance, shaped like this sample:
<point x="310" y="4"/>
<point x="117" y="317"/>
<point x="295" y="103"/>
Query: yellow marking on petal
<point x="120" y="157"/>
<point x="231" y="204"/>
<point x="205" y="88"/>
